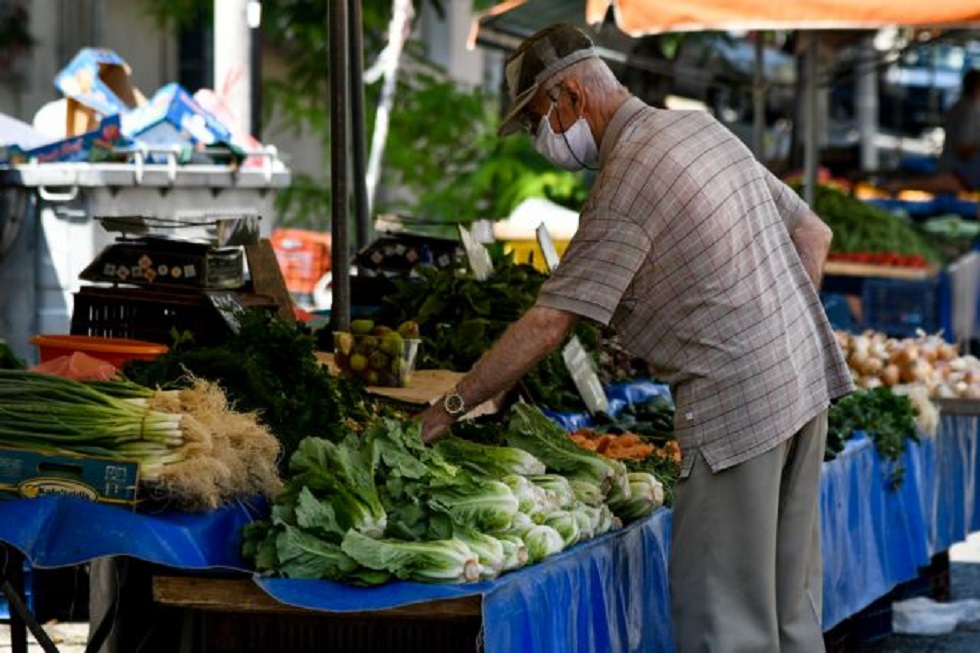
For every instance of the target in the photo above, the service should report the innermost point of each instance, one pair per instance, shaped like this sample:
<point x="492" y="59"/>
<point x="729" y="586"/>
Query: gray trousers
<point x="745" y="569"/>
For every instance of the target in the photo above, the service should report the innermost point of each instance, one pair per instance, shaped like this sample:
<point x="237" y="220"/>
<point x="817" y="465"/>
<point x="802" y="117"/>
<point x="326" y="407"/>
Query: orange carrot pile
<point x="624" y="446"/>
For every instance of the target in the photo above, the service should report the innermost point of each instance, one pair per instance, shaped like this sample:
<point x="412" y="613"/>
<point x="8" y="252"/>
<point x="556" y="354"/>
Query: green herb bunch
<point x="269" y="367"/>
<point x="460" y="317"/>
<point x="887" y="418"/>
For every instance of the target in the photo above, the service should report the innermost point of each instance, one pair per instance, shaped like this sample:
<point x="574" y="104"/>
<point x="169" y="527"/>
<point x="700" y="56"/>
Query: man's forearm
<point x="812" y="240"/>
<point x="524" y="343"/>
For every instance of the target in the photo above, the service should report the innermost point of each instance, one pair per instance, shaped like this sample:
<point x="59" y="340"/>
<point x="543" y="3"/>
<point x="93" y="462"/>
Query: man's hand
<point x="812" y="239"/>
<point x="435" y="422"/>
<point x="525" y="342"/>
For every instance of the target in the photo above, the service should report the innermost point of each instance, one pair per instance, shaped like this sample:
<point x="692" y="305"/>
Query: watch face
<point x="454" y="404"/>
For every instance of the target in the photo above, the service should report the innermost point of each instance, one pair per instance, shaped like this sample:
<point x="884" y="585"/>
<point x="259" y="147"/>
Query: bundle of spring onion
<point x="190" y="446"/>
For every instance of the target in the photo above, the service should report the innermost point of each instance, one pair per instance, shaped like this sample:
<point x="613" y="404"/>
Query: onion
<point x="919" y="371"/>
<point x="890" y="375"/>
<point x="861" y="346"/>
<point x="873" y="366"/>
<point x="946" y="352"/>
<point x="904" y="355"/>
<point x="945" y="391"/>
<point x="973" y="392"/>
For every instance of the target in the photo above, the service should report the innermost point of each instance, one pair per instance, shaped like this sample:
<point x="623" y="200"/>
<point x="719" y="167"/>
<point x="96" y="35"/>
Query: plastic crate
<point x="142" y="314"/>
<point x="303" y="256"/>
<point x="899" y="308"/>
<point x="838" y="311"/>
<point x="148" y="315"/>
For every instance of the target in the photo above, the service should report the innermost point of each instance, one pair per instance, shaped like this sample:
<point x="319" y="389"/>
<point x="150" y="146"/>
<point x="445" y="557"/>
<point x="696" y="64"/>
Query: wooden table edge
<point x="242" y="595"/>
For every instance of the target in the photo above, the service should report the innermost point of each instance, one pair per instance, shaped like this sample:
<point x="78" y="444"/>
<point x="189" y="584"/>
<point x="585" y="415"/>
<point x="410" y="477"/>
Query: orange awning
<point x="637" y="17"/>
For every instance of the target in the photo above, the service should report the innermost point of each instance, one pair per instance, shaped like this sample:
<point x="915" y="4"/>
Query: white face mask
<point x="572" y="150"/>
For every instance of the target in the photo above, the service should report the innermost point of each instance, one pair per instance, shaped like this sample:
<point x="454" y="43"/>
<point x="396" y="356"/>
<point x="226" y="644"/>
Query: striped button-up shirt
<point x="684" y="247"/>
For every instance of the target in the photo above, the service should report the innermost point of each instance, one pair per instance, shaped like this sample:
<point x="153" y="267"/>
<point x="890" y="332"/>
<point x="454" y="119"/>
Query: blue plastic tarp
<point x="949" y="484"/>
<point x="57" y="531"/>
<point x="607" y="594"/>
<point x="620" y="396"/>
<point x="874" y="535"/>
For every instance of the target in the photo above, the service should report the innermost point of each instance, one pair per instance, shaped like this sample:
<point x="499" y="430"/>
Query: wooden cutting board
<point x="425" y="388"/>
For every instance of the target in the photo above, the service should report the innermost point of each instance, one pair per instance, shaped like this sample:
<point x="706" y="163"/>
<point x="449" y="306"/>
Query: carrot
<point x="604" y="441"/>
<point x="634" y="452"/>
<point x="626" y="440"/>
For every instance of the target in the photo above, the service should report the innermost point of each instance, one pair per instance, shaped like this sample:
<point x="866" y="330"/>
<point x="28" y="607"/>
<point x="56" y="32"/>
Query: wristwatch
<point x="453" y="403"/>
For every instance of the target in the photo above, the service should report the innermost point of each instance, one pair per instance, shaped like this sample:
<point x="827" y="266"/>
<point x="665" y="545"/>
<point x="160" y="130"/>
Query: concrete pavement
<point x="964" y="584"/>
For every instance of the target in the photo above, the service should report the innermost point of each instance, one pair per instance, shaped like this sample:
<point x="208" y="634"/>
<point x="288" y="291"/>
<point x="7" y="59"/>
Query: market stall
<point x="875" y="538"/>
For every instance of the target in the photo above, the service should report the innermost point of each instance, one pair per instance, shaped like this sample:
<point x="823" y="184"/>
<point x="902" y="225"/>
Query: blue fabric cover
<point x="620" y="395"/>
<point x="55" y="531"/>
<point x="607" y="594"/>
<point x="874" y="536"/>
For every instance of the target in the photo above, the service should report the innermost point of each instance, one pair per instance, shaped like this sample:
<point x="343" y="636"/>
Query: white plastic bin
<point x="49" y="231"/>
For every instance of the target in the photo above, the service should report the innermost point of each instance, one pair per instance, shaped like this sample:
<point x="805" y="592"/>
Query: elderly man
<point x="708" y="267"/>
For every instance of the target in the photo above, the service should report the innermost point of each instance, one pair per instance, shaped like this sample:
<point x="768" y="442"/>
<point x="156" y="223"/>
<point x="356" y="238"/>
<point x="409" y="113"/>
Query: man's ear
<point x="576" y="97"/>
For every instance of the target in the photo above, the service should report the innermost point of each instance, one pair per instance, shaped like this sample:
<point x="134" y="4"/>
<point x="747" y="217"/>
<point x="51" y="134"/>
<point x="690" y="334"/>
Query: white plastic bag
<point x="924" y="616"/>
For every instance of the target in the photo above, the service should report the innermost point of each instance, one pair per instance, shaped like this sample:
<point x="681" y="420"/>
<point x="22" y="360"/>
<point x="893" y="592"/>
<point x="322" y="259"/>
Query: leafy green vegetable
<point x="566" y="524"/>
<point x="447" y="560"/>
<point x="542" y="541"/>
<point x="515" y="551"/>
<point x="533" y="500"/>
<point x="557" y="488"/>
<point x="588" y="493"/>
<point x="646" y="495"/>
<point x="489" y="460"/>
<point x="8" y="361"/>
<point x="860" y="226"/>
<point x="531" y="430"/>
<point x="887" y="418"/>
<point x="325" y="469"/>
<point x="481" y="503"/>
<point x="302" y="555"/>
<point x="460" y="317"/>
<point x="488" y="549"/>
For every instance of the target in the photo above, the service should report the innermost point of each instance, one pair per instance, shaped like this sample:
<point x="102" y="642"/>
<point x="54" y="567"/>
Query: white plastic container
<point x="49" y="231"/>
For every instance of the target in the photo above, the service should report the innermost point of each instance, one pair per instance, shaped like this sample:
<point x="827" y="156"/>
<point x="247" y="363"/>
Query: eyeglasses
<point x="530" y="120"/>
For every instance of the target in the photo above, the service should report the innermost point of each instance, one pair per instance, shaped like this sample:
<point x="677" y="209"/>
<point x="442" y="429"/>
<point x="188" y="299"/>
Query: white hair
<point x="594" y="74"/>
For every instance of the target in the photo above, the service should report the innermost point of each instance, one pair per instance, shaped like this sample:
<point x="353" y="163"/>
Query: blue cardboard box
<point x="97" y="84"/>
<point x="30" y="474"/>
<point x="172" y="117"/>
<point x="94" y="146"/>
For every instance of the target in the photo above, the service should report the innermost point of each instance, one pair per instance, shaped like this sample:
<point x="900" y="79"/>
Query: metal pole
<point x="810" y="154"/>
<point x="339" y="247"/>
<point x="255" y="26"/>
<point x="362" y="219"/>
<point x="867" y="104"/>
